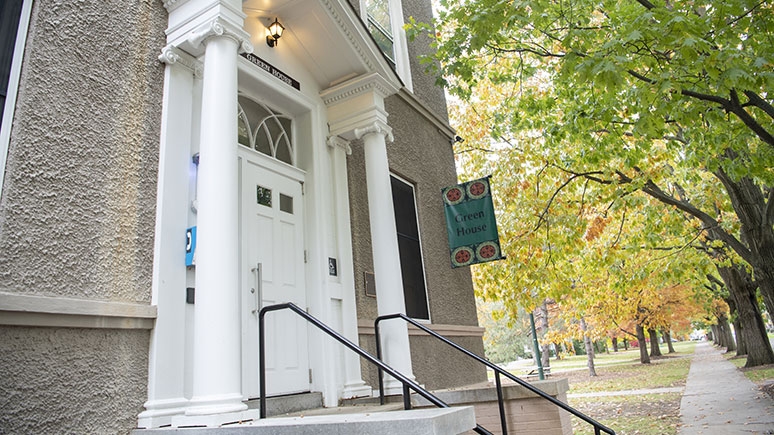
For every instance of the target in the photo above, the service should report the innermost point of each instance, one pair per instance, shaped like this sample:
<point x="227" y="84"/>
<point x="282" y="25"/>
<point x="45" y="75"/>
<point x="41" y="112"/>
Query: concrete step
<point x="431" y="421"/>
<point x="282" y="405"/>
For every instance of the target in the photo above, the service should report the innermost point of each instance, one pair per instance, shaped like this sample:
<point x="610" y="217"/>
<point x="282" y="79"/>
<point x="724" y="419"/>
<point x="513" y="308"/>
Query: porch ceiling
<point x="326" y="36"/>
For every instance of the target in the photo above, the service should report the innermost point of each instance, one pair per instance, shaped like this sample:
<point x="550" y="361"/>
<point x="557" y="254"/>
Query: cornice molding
<point x="368" y="83"/>
<point x="333" y="12"/>
<point x="172" y="55"/>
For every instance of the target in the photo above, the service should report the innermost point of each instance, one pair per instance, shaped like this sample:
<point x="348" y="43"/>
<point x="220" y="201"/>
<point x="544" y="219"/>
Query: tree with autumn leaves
<point x="631" y="146"/>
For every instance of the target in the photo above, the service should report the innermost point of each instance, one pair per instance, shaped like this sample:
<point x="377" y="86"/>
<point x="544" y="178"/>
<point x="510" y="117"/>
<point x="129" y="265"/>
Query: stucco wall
<point x="423" y="156"/>
<point x="78" y="206"/>
<point x="422" y="81"/>
<point x="77" y="213"/>
<point x="71" y="381"/>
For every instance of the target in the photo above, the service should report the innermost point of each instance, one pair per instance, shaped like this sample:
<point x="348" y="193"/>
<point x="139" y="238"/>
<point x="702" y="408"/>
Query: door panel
<point x="273" y="236"/>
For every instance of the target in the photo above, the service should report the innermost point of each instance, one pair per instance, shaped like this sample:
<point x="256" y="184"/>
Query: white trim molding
<point x="28" y="310"/>
<point x="366" y="327"/>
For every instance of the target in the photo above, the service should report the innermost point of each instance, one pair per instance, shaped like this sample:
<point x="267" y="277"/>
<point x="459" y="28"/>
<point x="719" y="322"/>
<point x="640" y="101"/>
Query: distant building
<point x="307" y="171"/>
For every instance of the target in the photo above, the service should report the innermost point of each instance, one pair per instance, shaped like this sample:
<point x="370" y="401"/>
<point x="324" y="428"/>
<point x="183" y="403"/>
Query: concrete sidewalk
<point x="719" y="400"/>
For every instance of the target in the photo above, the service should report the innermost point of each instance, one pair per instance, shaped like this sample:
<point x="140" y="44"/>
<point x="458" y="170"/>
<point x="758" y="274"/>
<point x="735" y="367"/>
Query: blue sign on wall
<point x="190" y="246"/>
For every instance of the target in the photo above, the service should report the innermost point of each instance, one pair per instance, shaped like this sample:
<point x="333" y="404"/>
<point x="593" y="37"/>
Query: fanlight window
<point x="265" y="130"/>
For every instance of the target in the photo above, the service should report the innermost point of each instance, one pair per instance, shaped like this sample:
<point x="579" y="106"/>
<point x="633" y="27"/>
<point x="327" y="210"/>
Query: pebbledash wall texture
<point x="78" y="211"/>
<point x="77" y="215"/>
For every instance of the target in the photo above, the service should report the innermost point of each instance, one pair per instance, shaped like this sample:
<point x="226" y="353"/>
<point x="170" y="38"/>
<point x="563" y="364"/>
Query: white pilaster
<point x="166" y="383"/>
<point x="354" y="386"/>
<point x="356" y="111"/>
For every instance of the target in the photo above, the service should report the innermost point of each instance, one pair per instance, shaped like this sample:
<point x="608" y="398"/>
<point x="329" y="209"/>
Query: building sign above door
<point x="269" y="68"/>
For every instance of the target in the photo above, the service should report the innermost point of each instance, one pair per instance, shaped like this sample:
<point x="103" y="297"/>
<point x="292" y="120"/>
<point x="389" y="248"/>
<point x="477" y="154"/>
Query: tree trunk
<point x="615" y="344"/>
<point x="750" y="205"/>
<point x="668" y="338"/>
<point x="724" y="330"/>
<point x="589" y="348"/>
<point x="752" y="330"/>
<point x="714" y="334"/>
<point x="741" y="344"/>
<point x="644" y="358"/>
<point x="655" y="349"/>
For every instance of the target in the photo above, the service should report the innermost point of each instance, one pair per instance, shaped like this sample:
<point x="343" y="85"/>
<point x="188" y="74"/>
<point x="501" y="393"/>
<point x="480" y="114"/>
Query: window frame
<point x="412" y="187"/>
<point x="13" y="86"/>
<point x="399" y="39"/>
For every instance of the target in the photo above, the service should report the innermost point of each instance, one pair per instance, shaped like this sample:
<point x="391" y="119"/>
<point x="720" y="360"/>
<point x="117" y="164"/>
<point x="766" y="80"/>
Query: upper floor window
<point x="14" y="20"/>
<point x="380" y="26"/>
<point x="266" y="130"/>
<point x="384" y="19"/>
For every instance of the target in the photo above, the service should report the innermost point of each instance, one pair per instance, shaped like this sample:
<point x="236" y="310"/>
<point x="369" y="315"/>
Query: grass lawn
<point x="651" y="413"/>
<point x="642" y="414"/>
<point x="755" y="374"/>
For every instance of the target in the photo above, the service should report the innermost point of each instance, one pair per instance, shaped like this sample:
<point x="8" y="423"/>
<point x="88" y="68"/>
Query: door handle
<point x="257" y="289"/>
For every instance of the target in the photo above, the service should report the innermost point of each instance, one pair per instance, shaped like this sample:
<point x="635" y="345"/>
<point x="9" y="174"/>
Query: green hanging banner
<point x="471" y="224"/>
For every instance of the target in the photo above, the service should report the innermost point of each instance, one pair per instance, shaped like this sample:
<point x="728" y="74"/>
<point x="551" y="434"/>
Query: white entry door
<point x="272" y="246"/>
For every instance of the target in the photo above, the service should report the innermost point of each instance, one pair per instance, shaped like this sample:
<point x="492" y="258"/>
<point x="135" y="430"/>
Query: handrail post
<point x="379" y="372"/>
<point x="262" y="362"/>
<point x="501" y="403"/>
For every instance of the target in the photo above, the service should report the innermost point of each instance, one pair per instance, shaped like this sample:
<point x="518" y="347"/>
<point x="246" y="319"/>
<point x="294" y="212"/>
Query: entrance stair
<point x="303" y="414"/>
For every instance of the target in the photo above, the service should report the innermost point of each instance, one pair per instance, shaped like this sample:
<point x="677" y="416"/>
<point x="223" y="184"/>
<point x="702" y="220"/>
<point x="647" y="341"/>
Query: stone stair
<point x="303" y="414"/>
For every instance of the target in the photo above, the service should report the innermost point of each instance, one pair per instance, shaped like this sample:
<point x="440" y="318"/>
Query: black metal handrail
<point x="408" y="384"/>
<point x="598" y="427"/>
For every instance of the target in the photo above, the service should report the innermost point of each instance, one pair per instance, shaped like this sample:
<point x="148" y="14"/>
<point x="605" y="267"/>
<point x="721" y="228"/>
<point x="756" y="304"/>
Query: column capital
<point x="172" y="55"/>
<point x="337" y="142"/>
<point x="220" y="27"/>
<point x="376" y="127"/>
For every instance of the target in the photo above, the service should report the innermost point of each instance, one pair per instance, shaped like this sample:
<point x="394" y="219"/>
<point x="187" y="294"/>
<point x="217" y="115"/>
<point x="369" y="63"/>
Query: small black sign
<point x="269" y="68"/>
<point x="333" y="270"/>
<point x="370" y="284"/>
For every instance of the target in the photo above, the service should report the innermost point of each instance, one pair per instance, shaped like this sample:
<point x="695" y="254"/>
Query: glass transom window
<point x="265" y="130"/>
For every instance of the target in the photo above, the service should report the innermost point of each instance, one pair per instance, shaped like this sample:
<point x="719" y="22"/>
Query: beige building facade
<point x="166" y="172"/>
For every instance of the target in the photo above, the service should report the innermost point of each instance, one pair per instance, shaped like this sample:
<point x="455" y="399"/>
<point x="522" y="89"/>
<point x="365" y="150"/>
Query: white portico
<point x="267" y="193"/>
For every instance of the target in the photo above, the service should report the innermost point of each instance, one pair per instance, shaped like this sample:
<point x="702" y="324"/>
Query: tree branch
<point x="709" y="222"/>
<point x="648" y="5"/>
<point x="760" y="103"/>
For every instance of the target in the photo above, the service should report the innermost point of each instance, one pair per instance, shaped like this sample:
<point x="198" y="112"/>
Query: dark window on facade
<point x="410" y="249"/>
<point x="10" y="11"/>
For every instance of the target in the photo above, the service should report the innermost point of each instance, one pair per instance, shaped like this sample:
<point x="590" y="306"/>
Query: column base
<point x="356" y="389"/>
<point x="159" y="413"/>
<point x="394" y="387"/>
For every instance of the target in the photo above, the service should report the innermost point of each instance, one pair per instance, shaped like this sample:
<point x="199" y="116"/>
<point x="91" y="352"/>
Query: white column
<point x="354" y="386"/>
<point x="217" y="396"/>
<point x="384" y="244"/>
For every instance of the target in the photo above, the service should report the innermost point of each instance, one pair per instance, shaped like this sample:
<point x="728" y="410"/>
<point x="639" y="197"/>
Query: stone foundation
<point x="526" y="413"/>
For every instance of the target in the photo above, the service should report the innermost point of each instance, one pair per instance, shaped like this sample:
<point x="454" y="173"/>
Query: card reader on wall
<point x="190" y="246"/>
